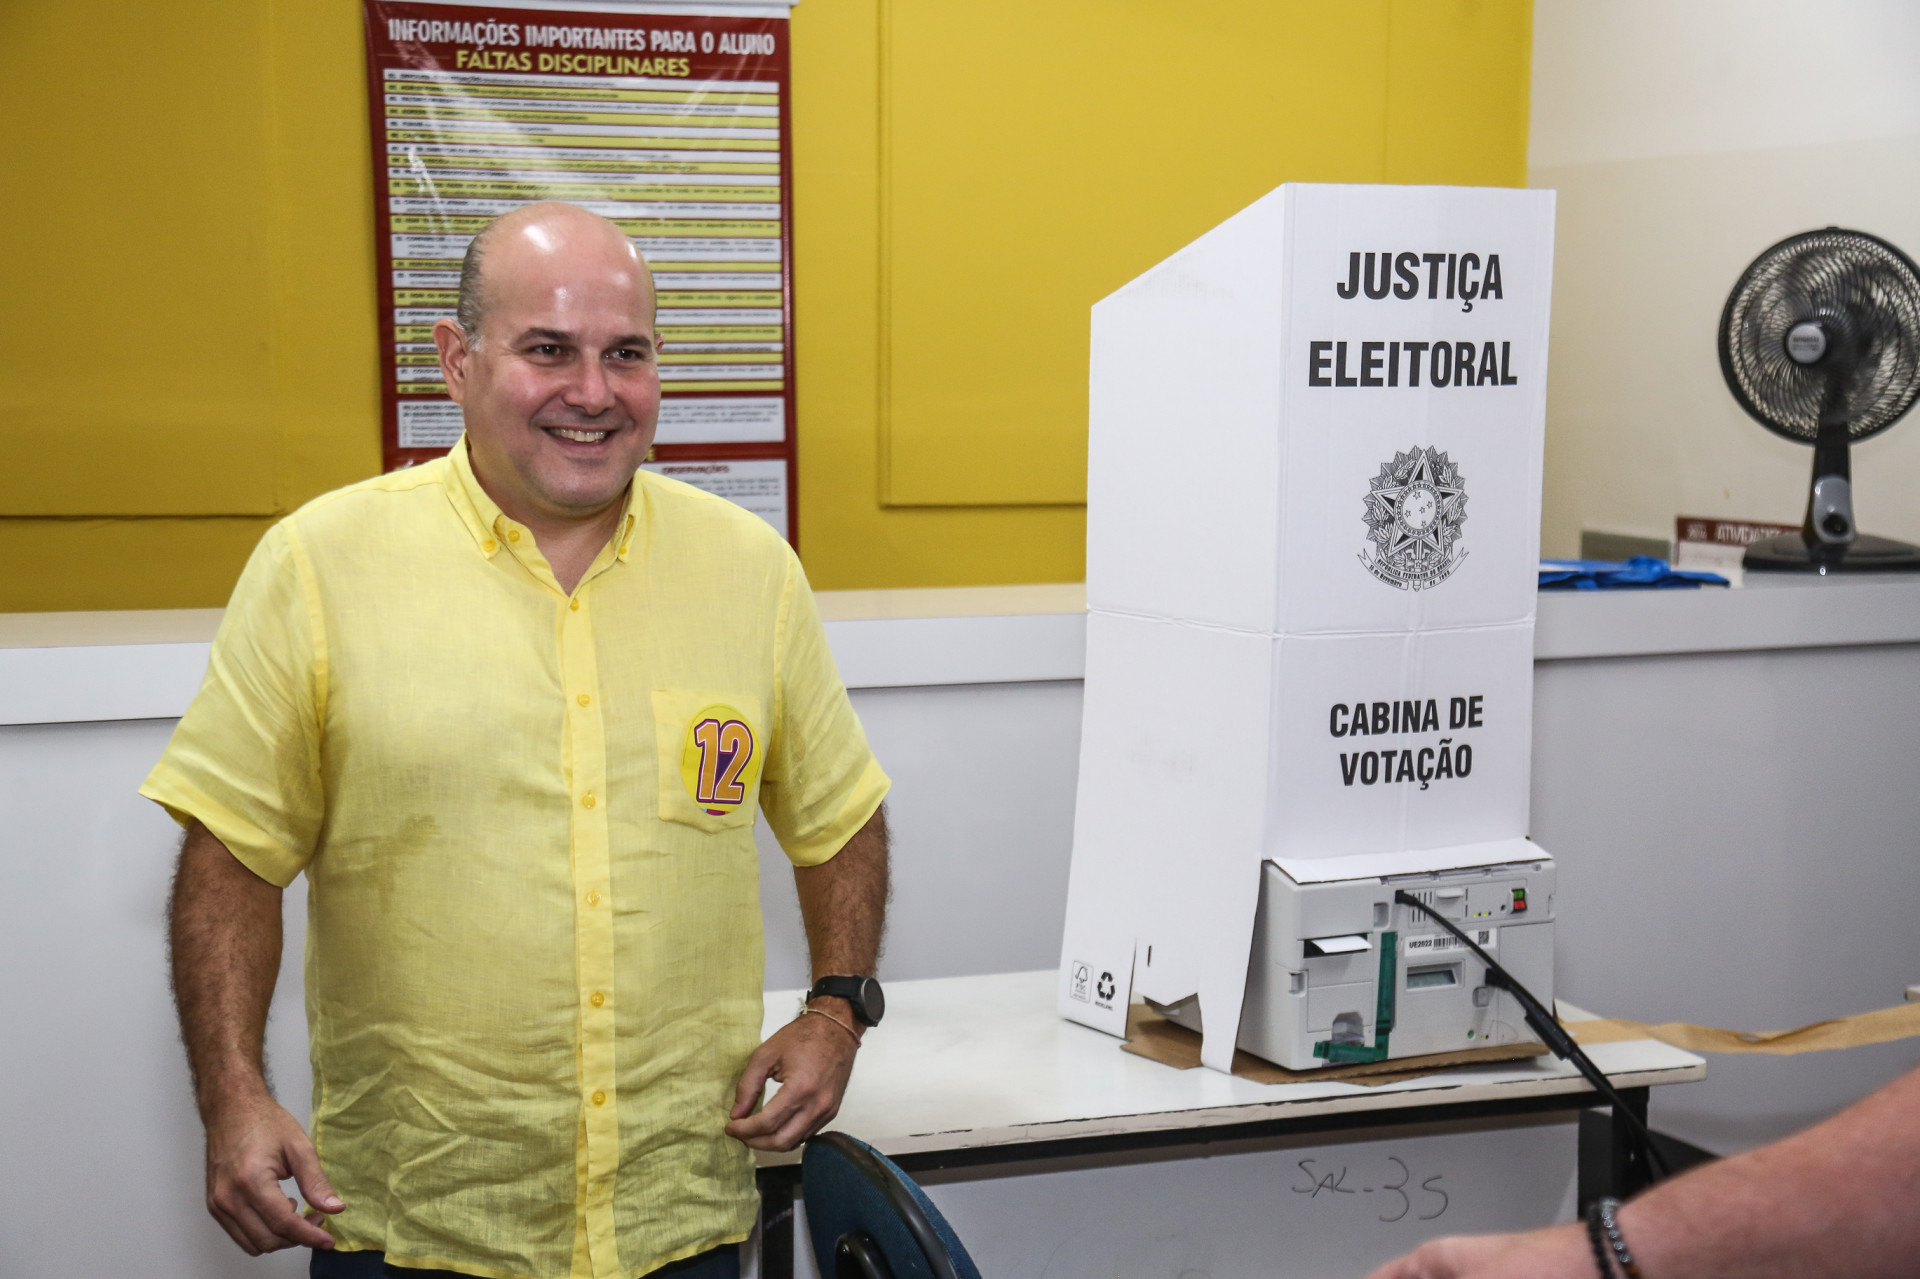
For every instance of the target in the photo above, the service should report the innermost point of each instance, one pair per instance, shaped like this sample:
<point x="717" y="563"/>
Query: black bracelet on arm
<point x="1603" y="1229"/>
<point x="1596" y="1236"/>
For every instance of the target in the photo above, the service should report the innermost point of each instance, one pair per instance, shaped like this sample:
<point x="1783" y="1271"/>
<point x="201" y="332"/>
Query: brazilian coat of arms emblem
<point x="1414" y="510"/>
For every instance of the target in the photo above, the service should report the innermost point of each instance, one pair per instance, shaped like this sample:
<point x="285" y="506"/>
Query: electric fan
<point x="1820" y="342"/>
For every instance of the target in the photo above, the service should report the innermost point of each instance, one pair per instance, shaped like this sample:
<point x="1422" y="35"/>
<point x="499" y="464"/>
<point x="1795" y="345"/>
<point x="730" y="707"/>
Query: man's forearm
<point x="224" y="924"/>
<point x="1836" y="1199"/>
<point x="225" y="931"/>
<point x="843" y="902"/>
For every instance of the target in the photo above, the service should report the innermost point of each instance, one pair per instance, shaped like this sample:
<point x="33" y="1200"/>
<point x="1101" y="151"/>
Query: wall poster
<point x="673" y="121"/>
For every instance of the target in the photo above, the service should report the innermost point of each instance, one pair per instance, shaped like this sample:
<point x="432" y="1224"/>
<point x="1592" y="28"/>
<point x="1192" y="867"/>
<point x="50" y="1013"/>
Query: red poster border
<point x="379" y="59"/>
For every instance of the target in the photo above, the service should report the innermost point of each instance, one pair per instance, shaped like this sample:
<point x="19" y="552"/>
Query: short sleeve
<point x="821" y="782"/>
<point x="245" y="759"/>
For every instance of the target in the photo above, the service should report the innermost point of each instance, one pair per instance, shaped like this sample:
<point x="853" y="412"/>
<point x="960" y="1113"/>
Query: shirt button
<point x="586" y="800"/>
<point x="593" y="897"/>
<point x="490" y="546"/>
<point x="596" y="999"/>
<point x="574" y="605"/>
<point x="585" y="700"/>
<point x="599" y="1098"/>
<point x="513" y="535"/>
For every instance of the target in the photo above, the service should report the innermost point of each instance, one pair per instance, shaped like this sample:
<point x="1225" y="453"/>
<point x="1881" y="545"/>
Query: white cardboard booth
<point x="1310" y="644"/>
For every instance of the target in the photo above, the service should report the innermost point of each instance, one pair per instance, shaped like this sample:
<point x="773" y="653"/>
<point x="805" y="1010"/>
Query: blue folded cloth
<point x="1642" y="572"/>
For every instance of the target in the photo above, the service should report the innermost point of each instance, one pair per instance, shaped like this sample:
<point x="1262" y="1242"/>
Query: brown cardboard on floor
<point x="1152" y="1036"/>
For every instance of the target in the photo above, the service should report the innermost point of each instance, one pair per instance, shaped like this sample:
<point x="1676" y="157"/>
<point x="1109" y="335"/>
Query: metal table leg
<point x="777" y="1220"/>
<point x="1611" y="1162"/>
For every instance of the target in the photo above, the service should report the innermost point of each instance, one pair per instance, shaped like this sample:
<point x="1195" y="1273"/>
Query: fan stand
<point x="1830" y="501"/>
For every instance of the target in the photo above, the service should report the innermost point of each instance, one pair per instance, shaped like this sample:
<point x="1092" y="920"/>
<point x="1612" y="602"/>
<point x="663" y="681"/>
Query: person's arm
<point x="225" y="933"/>
<point x="843" y="902"/>
<point x="1837" y="1199"/>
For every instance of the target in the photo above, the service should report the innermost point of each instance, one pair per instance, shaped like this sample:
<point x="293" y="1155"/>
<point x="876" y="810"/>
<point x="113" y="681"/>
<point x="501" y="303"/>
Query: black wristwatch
<point x="864" y="993"/>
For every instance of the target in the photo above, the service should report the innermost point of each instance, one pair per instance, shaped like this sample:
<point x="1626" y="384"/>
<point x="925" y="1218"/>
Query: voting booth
<point x="1312" y="541"/>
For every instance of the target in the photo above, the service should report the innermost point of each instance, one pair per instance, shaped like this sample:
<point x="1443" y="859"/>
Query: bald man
<point x="512" y="713"/>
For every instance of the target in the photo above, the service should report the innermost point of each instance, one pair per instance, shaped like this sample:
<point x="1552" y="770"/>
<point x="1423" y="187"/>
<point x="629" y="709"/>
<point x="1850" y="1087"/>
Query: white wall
<point x="100" y="1148"/>
<point x="1736" y="841"/>
<point x="982" y="820"/>
<point x="1684" y="137"/>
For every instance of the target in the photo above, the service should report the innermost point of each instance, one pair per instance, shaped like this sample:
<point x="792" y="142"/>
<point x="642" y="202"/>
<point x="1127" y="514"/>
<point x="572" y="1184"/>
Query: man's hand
<point x="810" y="1058"/>
<point x="1560" y="1252"/>
<point x="843" y="903"/>
<point x="252" y="1146"/>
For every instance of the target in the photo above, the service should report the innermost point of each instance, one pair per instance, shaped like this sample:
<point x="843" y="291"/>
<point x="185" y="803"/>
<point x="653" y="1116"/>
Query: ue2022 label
<point x="714" y="764"/>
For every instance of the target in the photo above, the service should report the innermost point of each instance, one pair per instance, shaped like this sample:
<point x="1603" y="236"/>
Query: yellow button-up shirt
<point x="534" y="955"/>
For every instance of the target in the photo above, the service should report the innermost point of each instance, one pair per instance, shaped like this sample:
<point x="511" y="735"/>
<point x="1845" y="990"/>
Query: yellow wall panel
<point x="190" y="323"/>
<point x="326" y="353"/>
<point x="1039" y="156"/>
<point x="1458" y="92"/>
<point x="57" y="566"/>
<point x="133" y="345"/>
<point x="848" y="539"/>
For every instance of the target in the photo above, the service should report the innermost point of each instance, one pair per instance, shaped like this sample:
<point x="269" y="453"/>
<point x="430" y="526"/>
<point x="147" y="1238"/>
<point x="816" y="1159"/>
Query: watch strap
<point x="851" y="989"/>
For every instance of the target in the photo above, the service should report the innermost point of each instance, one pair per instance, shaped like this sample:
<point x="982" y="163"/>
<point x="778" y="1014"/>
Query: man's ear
<point x="452" y="341"/>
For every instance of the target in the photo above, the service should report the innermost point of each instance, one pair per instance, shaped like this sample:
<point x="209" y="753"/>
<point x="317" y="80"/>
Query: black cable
<point x="1551" y="1033"/>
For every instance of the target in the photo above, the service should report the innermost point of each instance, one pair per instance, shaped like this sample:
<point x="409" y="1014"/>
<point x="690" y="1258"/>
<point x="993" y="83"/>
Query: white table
<point x="982" y="1072"/>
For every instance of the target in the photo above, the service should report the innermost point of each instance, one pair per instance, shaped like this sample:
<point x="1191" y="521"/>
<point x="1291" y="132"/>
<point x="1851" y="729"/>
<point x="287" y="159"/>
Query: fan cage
<point x="1867" y="293"/>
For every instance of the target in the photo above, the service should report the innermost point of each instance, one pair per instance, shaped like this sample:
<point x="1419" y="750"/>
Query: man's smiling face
<point x="561" y="393"/>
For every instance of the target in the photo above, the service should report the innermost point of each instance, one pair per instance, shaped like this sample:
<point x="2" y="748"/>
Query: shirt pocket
<point x="710" y="746"/>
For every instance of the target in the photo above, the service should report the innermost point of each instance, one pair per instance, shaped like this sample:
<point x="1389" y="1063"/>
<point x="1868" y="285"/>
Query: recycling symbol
<point x="1105" y="986"/>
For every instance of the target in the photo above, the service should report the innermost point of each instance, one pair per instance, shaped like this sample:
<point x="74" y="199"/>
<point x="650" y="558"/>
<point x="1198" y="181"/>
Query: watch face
<point x="873" y="1000"/>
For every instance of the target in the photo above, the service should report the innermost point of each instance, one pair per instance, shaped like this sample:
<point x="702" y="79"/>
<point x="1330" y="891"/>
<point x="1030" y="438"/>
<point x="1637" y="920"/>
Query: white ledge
<point x="907" y="652"/>
<point x="77" y="667"/>
<point x="58" y="668"/>
<point x="1771" y="611"/>
<point x="99" y="682"/>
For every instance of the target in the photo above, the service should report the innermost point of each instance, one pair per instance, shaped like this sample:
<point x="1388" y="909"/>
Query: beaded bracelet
<point x="1602" y="1256"/>
<point x="1604" y="1227"/>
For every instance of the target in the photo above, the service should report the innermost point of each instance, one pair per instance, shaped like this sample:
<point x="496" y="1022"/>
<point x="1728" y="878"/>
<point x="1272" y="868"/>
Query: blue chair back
<point x="869" y="1221"/>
